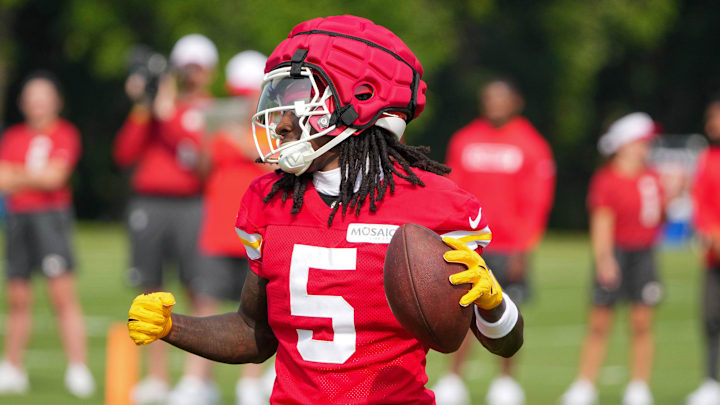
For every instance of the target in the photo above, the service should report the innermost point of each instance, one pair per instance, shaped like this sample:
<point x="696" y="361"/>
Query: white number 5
<point x="342" y="346"/>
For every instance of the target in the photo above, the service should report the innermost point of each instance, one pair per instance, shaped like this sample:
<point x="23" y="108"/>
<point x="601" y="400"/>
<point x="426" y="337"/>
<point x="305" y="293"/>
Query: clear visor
<point x="281" y="94"/>
<point x="299" y="98"/>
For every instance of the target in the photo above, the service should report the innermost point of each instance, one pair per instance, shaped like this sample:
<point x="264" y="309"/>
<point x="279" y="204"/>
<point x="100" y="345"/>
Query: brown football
<point x="419" y="292"/>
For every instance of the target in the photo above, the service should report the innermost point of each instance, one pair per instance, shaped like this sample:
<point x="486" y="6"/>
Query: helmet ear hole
<point x="364" y="92"/>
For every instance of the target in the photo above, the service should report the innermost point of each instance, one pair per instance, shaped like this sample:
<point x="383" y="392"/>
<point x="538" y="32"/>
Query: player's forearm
<point x="505" y="346"/>
<point x="602" y="235"/>
<point x="226" y="338"/>
<point x="43" y="181"/>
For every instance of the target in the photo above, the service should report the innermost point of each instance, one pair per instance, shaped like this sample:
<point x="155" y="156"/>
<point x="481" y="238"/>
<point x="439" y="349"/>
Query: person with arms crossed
<point x="161" y="139"/>
<point x="626" y="205"/>
<point x="315" y="291"/>
<point x="229" y="162"/>
<point x="706" y="194"/>
<point x="517" y="170"/>
<point x="37" y="158"/>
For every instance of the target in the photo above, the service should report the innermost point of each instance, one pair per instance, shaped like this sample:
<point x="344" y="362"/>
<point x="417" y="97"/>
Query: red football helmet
<point x="339" y="75"/>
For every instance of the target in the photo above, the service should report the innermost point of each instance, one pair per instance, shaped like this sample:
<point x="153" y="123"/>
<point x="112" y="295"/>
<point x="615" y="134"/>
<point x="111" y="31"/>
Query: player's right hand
<point x="486" y="292"/>
<point x="608" y="273"/>
<point x="149" y="317"/>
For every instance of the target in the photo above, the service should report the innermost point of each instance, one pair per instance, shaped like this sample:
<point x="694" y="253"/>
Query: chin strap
<point x="297" y="159"/>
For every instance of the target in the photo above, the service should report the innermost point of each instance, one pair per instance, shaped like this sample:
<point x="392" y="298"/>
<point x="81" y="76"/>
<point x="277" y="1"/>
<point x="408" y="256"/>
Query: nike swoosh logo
<point x="475" y="222"/>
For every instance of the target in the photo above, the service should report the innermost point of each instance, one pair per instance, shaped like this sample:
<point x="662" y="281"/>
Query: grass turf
<point x="554" y="325"/>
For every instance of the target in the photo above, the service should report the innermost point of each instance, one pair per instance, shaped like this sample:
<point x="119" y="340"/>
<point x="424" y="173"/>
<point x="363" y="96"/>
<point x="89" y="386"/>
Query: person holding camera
<point x="37" y="158"/>
<point x="161" y="139"/>
<point x="229" y="161"/>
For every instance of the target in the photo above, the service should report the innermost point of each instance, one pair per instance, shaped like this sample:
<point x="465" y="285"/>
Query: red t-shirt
<point x="706" y="194"/>
<point x="231" y="174"/>
<point x="165" y="152"/>
<point x="636" y="202"/>
<point x="33" y="149"/>
<point x="512" y="173"/>
<point x="339" y="343"/>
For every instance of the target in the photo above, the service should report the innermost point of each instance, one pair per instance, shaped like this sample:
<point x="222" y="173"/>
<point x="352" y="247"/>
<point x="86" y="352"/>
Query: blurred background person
<point x="626" y="205"/>
<point x="161" y="139"/>
<point x="509" y="167"/>
<point x="37" y="158"/>
<point x="706" y="194"/>
<point x="229" y="162"/>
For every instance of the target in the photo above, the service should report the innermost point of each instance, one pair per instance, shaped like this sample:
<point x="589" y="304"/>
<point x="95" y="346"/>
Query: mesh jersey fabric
<point x="338" y="340"/>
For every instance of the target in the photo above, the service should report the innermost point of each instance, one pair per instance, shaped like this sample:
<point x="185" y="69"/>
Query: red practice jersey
<point x="339" y="343"/>
<point x="636" y="202"/>
<point x="706" y="193"/>
<point x="165" y="153"/>
<point x="511" y="171"/>
<point x="33" y="149"/>
<point x="231" y="174"/>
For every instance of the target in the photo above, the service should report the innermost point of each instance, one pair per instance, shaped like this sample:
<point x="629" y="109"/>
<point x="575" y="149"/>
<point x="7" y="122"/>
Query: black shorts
<point x="39" y="241"/>
<point x="639" y="281"/>
<point x="711" y="300"/>
<point x="518" y="290"/>
<point x="163" y="230"/>
<point x="220" y="277"/>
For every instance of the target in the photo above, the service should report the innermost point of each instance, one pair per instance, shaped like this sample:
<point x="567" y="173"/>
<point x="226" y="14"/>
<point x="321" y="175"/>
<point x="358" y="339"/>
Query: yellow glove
<point x="485" y="292"/>
<point x="149" y="317"/>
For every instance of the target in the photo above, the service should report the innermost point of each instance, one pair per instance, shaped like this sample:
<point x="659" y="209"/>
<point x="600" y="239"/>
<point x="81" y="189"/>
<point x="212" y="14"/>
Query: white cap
<point x="194" y="49"/>
<point x="630" y="128"/>
<point x="245" y="71"/>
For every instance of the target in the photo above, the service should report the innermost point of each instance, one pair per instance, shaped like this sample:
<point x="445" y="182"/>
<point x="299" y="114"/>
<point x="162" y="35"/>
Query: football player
<point x="229" y="161"/>
<point x="337" y="95"/>
<point x="160" y="142"/>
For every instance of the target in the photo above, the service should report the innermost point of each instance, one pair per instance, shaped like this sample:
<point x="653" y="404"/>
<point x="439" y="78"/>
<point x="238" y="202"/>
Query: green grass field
<point x="554" y="327"/>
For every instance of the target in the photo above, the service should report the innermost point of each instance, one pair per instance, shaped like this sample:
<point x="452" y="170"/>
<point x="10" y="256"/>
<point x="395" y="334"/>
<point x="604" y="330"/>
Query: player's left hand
<point x="485" y="292"/>
<point x="149" y="317"/>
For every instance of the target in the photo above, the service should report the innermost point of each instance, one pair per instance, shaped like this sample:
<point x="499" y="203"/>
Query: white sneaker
<point x="13" y="380"/>
<point x="268" y="380"/>
<point x="250" y="391"/>
<point x="637" y="393"/>
<point x="505" y="391"/>
<point x="79" y="381"/>
<point x="450" y="390"/>
<point x="581" y="392"/>
<point x="707" y="394"/>
<point x="151" y="390"/>
<point x="194" y="391"/>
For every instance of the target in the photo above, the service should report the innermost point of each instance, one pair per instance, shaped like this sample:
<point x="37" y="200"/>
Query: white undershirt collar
<point x="328" y="182"/>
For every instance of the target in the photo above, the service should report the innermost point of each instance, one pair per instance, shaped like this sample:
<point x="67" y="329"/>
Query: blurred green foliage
<point x="580" y="64"/>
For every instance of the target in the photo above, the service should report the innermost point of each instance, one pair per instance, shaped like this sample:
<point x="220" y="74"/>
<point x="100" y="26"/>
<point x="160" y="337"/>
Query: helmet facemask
<point x="307" y="99"/>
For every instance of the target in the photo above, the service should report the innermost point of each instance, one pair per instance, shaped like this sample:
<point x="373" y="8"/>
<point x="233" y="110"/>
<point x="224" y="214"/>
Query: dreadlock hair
<point x="370" y="157"/>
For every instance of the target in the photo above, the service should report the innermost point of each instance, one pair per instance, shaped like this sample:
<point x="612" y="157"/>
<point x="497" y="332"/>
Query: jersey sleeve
<point x="466" y="221"/>
<point x="132" y="138"/>
<point x="538" y="185"/>
<point x="599" y="195"/>
<point x="5" y="144"/>
<point x="250" y="228"/>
